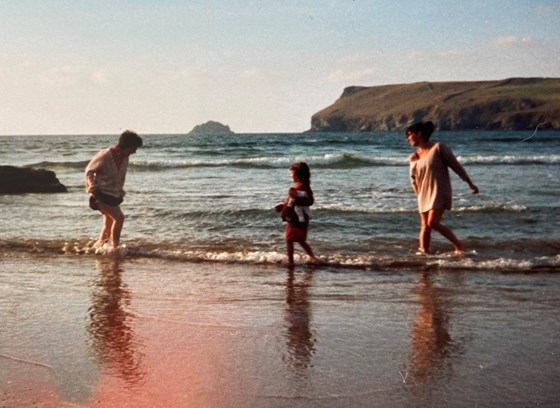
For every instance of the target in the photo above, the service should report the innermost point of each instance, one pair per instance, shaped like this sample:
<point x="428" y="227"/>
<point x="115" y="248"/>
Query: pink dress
<point x="429" y="176"/>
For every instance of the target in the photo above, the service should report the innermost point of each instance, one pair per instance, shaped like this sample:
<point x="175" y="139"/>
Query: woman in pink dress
<point x="429" y="175"/>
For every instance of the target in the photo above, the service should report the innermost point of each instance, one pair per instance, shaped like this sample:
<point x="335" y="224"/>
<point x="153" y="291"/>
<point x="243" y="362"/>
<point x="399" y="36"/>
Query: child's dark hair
<point x="301" y="169"/>
<point x="129" y="138"/>
<point x="425" y="128"/>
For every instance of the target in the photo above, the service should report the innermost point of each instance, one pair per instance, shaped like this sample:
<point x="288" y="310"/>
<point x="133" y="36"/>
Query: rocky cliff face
<point x="511" y="104"/>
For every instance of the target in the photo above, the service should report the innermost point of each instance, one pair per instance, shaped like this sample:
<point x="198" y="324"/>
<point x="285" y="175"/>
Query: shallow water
<point x="101" y="331"/>
<point x="209" y="197"/>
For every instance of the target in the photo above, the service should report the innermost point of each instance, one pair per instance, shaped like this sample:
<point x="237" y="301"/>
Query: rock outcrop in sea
<point x="19" y="180"/>
<point x="511" y="104"/>
<point x="211" y="128"/>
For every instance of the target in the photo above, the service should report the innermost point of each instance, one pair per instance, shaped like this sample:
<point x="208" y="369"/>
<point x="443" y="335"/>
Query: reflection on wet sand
<point x="431" y="344"/>
<point x="299" y="336"/>
<point x="110" y="324"/>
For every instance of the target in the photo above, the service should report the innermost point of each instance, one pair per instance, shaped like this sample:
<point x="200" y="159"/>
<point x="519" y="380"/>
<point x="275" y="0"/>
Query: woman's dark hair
<point x="425" y="128"/>
<point x="129" y="138"/>
<point x="301" y="169"/>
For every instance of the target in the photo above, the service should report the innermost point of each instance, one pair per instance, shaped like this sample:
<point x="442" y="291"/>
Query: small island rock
<point x="211" y="128"/>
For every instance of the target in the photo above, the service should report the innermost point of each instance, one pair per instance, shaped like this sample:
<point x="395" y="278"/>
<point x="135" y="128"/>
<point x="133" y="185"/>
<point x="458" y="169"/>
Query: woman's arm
<point x="454" y="164"/>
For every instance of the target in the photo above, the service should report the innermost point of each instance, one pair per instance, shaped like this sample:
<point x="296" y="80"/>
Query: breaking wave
<point x="324" y="161"/>
<point x="485" y="258"/>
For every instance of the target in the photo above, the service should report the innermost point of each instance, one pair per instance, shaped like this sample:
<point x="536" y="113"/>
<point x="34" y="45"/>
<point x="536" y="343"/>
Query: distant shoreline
<point x="174" y="134"/>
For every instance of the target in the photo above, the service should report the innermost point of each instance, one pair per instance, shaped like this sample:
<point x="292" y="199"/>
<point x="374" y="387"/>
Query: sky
<point x="100" y="67"/>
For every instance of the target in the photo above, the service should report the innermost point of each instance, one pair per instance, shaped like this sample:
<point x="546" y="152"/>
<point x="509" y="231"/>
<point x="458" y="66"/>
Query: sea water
<point x="199" y="310"/>
<point x="210" y="197"/>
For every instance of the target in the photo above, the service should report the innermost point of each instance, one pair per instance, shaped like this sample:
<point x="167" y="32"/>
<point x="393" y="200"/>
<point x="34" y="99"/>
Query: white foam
<point x="445" y="261"/>
<point x="107" y="249"/>
<point x="510" y="159"/>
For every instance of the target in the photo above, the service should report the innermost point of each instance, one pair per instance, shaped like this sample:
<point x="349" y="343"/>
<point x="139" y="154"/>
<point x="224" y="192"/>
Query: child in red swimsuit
<point x="295" y="211"/>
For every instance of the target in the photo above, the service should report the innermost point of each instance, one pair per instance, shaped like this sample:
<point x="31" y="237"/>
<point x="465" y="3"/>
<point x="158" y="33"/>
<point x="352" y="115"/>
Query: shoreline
<point x="509" y="257"/>
<point x="102" y="332"/>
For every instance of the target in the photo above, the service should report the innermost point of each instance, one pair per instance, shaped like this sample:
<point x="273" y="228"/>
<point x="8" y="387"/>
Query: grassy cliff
<point x="511" y="104"/>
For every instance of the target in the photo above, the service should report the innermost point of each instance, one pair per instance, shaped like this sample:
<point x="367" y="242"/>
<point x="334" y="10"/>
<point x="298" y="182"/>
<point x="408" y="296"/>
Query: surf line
<point x="534" y="133"/>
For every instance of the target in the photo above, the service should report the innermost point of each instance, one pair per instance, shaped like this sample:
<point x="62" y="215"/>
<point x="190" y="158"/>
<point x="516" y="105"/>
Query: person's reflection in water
<point x="299" y="336"/>
<point x="110" y="324"/>
<point x="431" y="343"/>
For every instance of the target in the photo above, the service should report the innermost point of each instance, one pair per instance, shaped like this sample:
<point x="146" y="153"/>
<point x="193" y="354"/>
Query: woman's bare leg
<point x="434" y="218"/>
<point x="425" y="233"/>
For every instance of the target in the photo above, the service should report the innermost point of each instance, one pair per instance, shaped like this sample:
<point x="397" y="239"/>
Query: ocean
<point x="210" y="198"/>
<point x="202" y="311"/>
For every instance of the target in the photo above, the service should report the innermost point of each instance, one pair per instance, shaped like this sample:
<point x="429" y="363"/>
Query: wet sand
<point x="86" y="331"/>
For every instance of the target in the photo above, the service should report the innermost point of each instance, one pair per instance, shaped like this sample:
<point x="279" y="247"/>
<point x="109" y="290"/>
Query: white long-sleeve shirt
<point x="103" y="174"/>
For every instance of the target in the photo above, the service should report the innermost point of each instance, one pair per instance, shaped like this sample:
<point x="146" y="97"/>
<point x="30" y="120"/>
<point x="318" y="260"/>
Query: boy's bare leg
<point x="105" y="230"/>
<point x="117" y="217"/>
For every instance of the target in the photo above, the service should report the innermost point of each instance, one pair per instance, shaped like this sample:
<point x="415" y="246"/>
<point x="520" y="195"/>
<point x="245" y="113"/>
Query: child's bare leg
<point x="290" y="251"/>
<point x="307" y="250"/>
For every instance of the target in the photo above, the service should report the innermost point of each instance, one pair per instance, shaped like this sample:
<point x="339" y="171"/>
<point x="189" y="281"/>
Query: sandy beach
<point x="91" y="331"/>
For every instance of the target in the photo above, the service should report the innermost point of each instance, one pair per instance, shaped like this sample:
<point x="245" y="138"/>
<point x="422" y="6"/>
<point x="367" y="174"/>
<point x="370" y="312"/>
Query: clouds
<point x="21" y="77"/>
<point x="509" y="41"/>
<point x="74" y="76"/>
<point x="497" y="58"/>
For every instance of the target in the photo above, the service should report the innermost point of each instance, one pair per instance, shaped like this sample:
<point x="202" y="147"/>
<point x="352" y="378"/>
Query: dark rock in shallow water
<point x="19" y="180"/>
